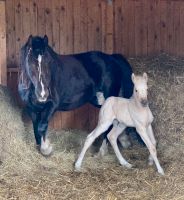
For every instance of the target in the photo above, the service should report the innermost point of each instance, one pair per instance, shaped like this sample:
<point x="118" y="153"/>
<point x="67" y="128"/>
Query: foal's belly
<point x="125" y="118"/>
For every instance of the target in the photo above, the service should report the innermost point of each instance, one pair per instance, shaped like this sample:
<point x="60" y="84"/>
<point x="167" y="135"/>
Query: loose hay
<point x="25" y="174"/>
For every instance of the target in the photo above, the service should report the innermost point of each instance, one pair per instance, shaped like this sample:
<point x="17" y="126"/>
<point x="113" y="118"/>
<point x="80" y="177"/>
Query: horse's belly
<point x="75" y="100"/>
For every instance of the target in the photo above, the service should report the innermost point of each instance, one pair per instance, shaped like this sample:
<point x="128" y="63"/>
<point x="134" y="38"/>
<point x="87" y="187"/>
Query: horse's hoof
<point x="102" y="152"/>
<point x="124" y="141"/>
<point x="150" y="162"/>
<point x="77" y="167"/>
<point x="45" y="148"/>
<point x="126" y="144"/>
<point x="128" y="165"/>
<point x="161" y="172"/>
<point x="46" y="151"/>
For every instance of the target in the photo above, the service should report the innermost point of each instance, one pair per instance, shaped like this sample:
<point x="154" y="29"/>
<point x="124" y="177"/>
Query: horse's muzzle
<point x="144" y="102"/>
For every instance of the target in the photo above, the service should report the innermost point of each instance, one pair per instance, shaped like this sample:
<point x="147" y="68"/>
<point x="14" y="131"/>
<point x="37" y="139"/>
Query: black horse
<point x="49" y="82"/>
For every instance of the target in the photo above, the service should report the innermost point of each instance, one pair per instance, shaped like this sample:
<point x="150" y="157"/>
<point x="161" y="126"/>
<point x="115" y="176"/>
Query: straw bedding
<point x="25" y="174"/>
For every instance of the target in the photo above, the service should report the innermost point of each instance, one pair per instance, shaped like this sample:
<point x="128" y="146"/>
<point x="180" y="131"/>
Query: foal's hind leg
<point x="89" y="140"/>
<point x="104" y="147"/>
<point x="112" y="136"/>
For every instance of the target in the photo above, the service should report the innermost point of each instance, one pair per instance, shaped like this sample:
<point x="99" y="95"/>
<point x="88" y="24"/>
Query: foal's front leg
<point x="153" y="140"/>
<point x="152" y="149"/>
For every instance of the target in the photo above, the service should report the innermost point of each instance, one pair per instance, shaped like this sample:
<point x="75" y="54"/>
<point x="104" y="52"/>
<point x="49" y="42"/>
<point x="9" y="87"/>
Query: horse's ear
<point x="30" y="40"/>
<point x="145" y="76"/>
<point x="133" y="77"/>
<point x="46" y="40"/>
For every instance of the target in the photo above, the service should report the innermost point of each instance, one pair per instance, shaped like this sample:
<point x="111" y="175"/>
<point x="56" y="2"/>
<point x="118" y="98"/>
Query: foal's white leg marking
<point x="40" y="78"/>
<point x="45" y="148"/>
<point x="100" y="98"/>
<point x="151" y="147"/>
<point x="89" y="140"/>
<point x="103" y="149"/>
<point x="112" y="136"/>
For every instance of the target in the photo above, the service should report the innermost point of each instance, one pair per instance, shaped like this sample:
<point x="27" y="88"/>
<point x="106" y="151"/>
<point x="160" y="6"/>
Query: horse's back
<point x="90" y="69"/>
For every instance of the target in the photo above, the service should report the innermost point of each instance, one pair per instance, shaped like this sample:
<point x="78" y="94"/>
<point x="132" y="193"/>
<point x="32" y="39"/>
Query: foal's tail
<point x="126" y="82"/>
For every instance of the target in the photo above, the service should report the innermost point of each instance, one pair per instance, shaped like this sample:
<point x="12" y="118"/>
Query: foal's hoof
<point x="161" y="172"/>
<point x="46" y="151"/>
<point x="127" y="165"/>
<point x="77" y="167"/>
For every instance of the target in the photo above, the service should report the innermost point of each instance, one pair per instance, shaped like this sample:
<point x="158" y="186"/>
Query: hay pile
<point x="166" y="95"/>
<point x="11" y="126"/>
<point x="12" y="136"/>
<point x="25" y="174"/>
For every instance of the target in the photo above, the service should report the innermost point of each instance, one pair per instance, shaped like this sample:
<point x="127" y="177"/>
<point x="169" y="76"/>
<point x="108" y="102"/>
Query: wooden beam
<point x="3" y="65"/>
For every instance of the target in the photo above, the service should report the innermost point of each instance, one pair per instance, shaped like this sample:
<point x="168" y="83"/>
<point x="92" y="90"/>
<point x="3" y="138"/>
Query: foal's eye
<point x="136" y="90"/>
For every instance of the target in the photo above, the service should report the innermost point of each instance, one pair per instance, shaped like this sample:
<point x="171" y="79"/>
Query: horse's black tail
<point x="126" y="84"/>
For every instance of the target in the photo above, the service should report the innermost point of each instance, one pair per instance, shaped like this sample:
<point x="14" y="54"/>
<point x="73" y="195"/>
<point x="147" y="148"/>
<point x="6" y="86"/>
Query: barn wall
<point x="3" y="68"/>
<point x="130" y="27"/>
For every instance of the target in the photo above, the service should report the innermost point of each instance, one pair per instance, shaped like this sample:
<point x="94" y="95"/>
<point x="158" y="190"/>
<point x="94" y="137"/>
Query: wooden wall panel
<point x="3" y="77"/>
<point x="163" y="25"/>
<point x="181" y="30"/>
<point x="10" y="34"/>
<point x="118" y="26"/>
<point x="130" y="27"/>
<point x="176" y="28"/>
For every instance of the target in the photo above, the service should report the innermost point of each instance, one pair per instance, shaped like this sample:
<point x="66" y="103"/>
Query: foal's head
<point x="140" y="89"/>
<point x="37" y="66"/>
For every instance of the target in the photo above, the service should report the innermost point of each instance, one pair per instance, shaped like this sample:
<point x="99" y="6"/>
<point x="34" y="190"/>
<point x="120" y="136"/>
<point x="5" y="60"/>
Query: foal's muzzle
<point x="144" y="102"/>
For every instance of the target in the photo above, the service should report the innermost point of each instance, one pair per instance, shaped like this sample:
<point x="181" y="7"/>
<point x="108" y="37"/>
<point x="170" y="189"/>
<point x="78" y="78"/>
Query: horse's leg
<point x="35" y="117"/>
<point x="153" y="140"/>
<point x="104" y="147"/>
<point x="39" y="132"/>
<point x="45" y="147"/>
<point x="124" y="140"/>
<point x="152" y="149"/>
<point x="89" y="140"/>
<point x="112" y="136"/>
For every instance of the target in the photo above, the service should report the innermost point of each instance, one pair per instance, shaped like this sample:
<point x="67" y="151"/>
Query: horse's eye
<point x="136" y="90"/>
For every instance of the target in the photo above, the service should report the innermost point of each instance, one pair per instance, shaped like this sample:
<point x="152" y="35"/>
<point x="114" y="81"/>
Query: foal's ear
<point x="30" y="40"/>
<point x="46" y="40"/>
<point x="145" y="76"/>
<point x="133" y="77"/>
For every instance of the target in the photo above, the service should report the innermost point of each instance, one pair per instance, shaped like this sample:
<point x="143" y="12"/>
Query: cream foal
<point x="133" y="112"/>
